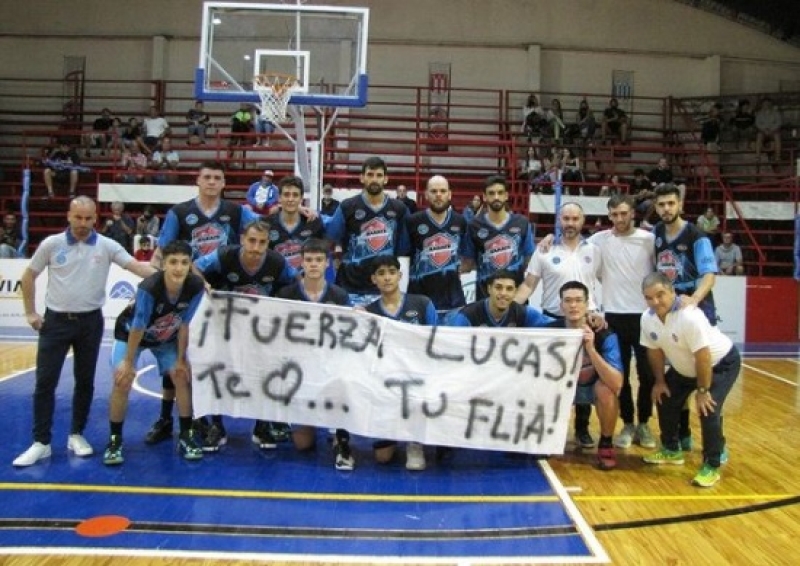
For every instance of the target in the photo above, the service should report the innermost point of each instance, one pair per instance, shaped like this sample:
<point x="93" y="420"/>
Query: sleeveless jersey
<point x="416" y="309"/>
<point x="226" y="272"/>
<point x="163" y="317"/>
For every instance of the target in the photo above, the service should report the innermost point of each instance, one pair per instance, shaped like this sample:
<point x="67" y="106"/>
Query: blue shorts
<point x="166" y="355"/>
<point x="584" y="394"/>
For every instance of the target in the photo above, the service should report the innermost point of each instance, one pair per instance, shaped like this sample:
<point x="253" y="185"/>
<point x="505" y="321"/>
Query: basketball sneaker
<point x="584" y="439"/>
<point x="160" y="431"/>
<point x="344" y="456"/>
<point x="644" y="437"/>
<point x="606" y="458"/>
<point x="625" y="437"/>
<point x="216" y="436"/>
<point x="415" y="457"/>
<point x="262" y="436"/>
<point x="707" y="476"/>
<point x="189" y="445"/>
<point x="113" y="454"/>
<point x="664" y="456"/>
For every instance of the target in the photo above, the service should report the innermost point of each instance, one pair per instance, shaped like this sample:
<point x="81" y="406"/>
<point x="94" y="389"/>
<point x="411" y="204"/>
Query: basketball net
<point x="275" y="90"/>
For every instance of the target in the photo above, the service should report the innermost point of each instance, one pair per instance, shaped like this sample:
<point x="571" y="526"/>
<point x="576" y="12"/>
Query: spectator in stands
<point x="148" y="223"/>
<point x="614" y="187"/>
<point x="197" y="122"/>
<point x="166" y="161"/>
<point x="132" y="136"/>
<point x="662" y="173"/>
<point x="643" y="195"/>
<point x="708" y="224"/>
<point x="263" y="128"/>
<point x="262" y="196"/>
<point x="10" y="237"/>
<point x="615" y="122"/>
<point x="712" y="127"/>
<point x="120" y="226"/>
<point x="555" y="120"/>
<point x="241" y="126"/>
<point x="768" y="127"/>
<point x="61" y="167"/>
<point x="744" y="122"/>
<point x="473" y="209"/>
<point x="533" y="118"/>
<point x="134" y="162"/>
<point x="531" y="166"/>
<point x="329" y="204"/>
<point x="145" y="251"/>
<point x="156" y="128"/>
<point x="583" y="129"/>
<point x="402" y="196"/>
<point x="729" y="256"/>
<point x="101" y="136"/>
<point x="571" y="172"/>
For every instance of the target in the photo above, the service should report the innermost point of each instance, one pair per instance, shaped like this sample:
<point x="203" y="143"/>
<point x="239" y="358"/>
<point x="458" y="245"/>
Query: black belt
<point x="73" y="315"/>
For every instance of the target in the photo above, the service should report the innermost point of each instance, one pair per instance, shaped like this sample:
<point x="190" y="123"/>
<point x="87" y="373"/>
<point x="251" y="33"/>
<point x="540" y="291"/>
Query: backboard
<point x="324" y="47"/>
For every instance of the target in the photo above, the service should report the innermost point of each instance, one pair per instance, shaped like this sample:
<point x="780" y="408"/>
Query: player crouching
<point x="158" y="321"/>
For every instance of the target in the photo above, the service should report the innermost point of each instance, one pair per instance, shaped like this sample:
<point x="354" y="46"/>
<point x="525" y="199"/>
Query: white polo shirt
<point x="77" y="271"/>
<point x="684" y="332"/>
<point x="561" y="265"/>
<point x="627" y="260"/>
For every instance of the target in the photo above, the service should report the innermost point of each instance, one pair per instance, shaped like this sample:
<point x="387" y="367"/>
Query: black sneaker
<point x="160" y="431"/>
<point x="215" y="436"/>
<point x="189" y="445"/>
<point x="281" y="432"/>
<point x="584" y="439"/>
<point x="262" y="436"/>
<point x="344" y="457"/>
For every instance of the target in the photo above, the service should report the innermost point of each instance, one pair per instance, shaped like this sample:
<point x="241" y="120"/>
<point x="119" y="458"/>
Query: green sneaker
<point x="113" y="454"/>
<point x="687" y="444"/>
<point x="707" y="476"/>
<point x="664" y="456"/>
<point x="189" y="445"/>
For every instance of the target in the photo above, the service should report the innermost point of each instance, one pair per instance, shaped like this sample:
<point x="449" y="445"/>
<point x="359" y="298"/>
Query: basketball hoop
<point x="275" y="90"/>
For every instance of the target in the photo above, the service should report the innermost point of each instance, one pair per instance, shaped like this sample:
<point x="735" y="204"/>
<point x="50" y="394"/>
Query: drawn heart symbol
<point x="286" y="382"/>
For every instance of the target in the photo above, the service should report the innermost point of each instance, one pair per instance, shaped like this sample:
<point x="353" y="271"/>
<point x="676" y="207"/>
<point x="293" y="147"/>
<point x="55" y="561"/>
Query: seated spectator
<point x="708" y="224"/>
<point x="262" y="196"/>
<point x="145" y="251"/>
<point x="10" y="237"/>
<point x="744" y="122"/>
<point x="132" y="136"/>
<point x="329" y="204"/>
<point x="134" y="162"/>
<point x="241" y="126"/>
<point x="197" y="122"/>
<point x="711" y="128"/>
<point x="164" y="160"/>
<point x="639" y="182"/>
<point x="120" y="226"/>
<point x="156" y="128"/>
<point x="585" y="126"/>
<point x="473" y="209"/>
<point x="101" y="136"/>
<point x="729" y="256"/>
<point x="263" y="128"/>
<point x="571" y="172"/>
<point x="531" y="166"/>
<point x="402" y="196"/>
<point x="555" y="120"/>
<point x="768" y="127"/>
<point x="148" y="223"/>
<point x="662" y="173"/>
<point x="615" y="122"/>
<point x="643" y="196"/>
<point x="62" y="166"/>
<point x="614" y="187"/>
<point x="534" y="121"/>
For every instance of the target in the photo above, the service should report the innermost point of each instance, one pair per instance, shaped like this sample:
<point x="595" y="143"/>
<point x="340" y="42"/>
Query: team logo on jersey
<point x="653" y="336"/>
<point x="500" y="251"/>
<point x="515" y="229"/>
<point x="225" y="218"/>
<point x="439" y="249"/>
<point x="682" y="247"/>
<point x="208" y="238"/>
<point x="191" y="219"/>
<point x="291" y="251"/>
<point x="306" y="233"/>
<point x="669" y="264"/>
<point x="233" y="277"/>
<point x="273" y="235"/>
<point x="556" y="260"/>
<point x="423" y="229"/>
<point x="61" y="256"/>
<point x="483" y="233"/>
<point x="164" y="328"/>
<point x="376" y="233"/>
<point x="360" y="214"/>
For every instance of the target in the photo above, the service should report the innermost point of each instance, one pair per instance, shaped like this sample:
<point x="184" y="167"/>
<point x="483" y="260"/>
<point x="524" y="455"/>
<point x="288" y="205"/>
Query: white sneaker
<point x="36" y="452"/>
<point x="77" y="444"/>
<point x="415" y="457"/>
<point x="625" y="437"/>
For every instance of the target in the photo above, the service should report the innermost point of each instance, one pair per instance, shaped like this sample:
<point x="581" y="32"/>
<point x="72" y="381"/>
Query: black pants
<point x="83" y="332"/>
<point x="627" y="327"/>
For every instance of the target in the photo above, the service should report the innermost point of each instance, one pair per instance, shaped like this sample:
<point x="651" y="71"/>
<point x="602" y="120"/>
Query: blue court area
<point x="242" y="501"/>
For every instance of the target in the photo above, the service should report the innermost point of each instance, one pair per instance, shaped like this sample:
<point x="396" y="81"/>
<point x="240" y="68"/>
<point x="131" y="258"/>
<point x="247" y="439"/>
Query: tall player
<point x="500" y="239"/>
<point x="314" y="289"/>
<point x="686" y="257"/>
<point x="250" y="268"/>
<point x="439" y="240"/>
<point x="367" y="226"/>
<point x="205" y="223"/>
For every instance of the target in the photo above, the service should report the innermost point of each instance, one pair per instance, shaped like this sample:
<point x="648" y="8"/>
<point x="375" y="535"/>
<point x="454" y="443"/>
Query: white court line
<point x="142" y="389"/>
<point x="771" y="375"/>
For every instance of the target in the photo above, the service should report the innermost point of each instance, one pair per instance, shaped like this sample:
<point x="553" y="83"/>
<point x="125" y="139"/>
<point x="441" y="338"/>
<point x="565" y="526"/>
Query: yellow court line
<point x="302" y="496"/>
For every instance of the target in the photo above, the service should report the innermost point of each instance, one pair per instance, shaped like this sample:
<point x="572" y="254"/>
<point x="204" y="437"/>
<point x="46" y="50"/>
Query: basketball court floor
<point x="281" y="505"/>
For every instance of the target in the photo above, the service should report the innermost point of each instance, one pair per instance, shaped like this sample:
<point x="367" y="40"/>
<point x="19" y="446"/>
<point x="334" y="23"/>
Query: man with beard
<point x="571" y="259"/>
<point x="439" y="240"/>
<point x="250" y="268"/>
<point x="500" y="239"/>
<point x="367" y="226"/>
<point x="686" y="257"/>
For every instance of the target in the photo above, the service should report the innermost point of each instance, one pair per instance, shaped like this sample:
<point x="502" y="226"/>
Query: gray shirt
<point x="78" y="271"/>
<point x="727" y="257"/>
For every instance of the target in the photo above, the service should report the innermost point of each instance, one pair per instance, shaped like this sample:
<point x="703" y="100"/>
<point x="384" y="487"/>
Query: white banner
<point x="330" y="366"/>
